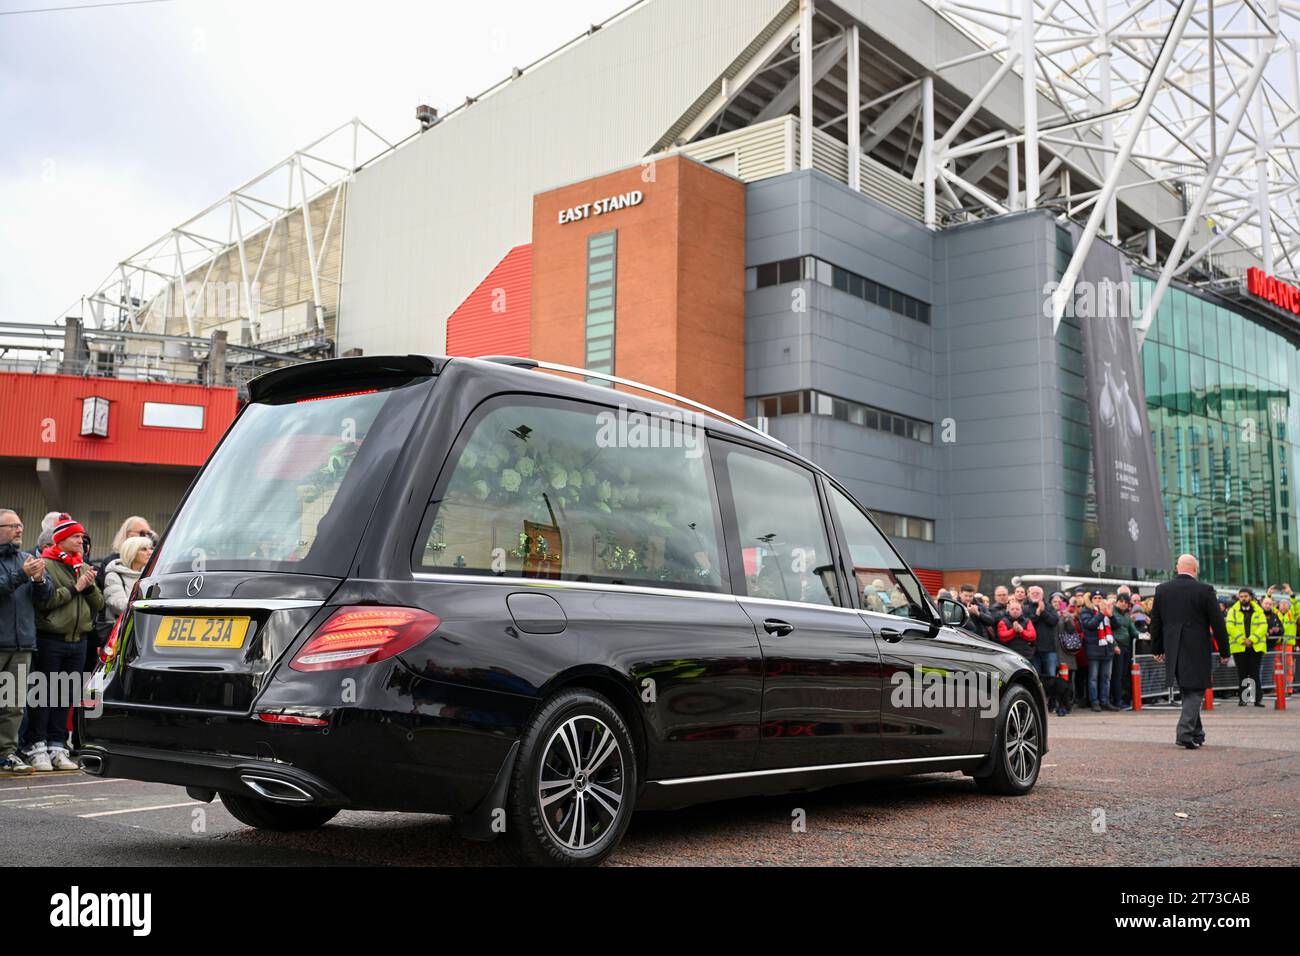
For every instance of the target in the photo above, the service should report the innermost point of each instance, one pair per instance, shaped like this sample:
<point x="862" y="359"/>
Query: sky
<point x="120" y="122"/>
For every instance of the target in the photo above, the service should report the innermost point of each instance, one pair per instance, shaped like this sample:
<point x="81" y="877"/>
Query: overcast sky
<point x="121" y="122"/>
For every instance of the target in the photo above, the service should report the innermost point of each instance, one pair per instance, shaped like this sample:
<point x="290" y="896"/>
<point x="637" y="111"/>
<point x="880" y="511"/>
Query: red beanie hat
<point x="65" y="528"/>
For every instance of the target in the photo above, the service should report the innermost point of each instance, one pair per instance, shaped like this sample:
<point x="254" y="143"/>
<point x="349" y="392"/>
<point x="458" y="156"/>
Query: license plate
<point x="202" y="632"/>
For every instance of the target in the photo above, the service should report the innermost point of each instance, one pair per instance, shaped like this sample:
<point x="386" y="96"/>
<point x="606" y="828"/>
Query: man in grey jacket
<point x="22" y="581"/>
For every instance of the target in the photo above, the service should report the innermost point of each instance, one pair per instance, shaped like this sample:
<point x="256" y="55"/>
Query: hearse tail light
<point x="109" y="650"/>
<point x="295" y="720"/>
<point x="364" y="634"/>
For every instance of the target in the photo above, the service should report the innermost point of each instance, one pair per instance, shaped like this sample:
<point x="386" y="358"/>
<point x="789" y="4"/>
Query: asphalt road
<point x="1114" y="791"/>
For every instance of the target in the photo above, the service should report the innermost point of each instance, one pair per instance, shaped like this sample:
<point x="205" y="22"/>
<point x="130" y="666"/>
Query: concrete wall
<point x="101" y="497"/>
<point x="426" y="223"/>
<point x="987" y="362"/>
<point x="999" y="384"/>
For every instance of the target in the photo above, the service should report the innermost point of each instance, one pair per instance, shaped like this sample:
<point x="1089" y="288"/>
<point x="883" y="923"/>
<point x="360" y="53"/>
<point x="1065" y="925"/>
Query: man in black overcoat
<point x="1186" y="625"/>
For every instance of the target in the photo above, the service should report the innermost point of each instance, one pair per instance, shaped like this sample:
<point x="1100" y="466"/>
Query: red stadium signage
<point x="1274" y="290"/>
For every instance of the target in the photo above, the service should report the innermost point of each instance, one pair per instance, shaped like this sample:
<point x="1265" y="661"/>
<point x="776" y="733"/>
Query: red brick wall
<point x="680" y="294"/>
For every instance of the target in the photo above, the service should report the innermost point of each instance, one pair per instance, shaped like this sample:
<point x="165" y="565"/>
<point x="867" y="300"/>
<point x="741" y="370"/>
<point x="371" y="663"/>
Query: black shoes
<point x="1189" y="744"/>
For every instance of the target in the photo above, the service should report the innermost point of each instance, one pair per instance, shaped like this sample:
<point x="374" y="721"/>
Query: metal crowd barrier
<point x="1223" y="677"/>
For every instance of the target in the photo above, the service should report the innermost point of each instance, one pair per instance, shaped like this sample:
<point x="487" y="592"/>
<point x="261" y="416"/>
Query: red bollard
<point x="1209" y="698"/>
<point x="1063" y="672"/>
<point x="1136" y="671"/>
<point x="1279" y="683"/>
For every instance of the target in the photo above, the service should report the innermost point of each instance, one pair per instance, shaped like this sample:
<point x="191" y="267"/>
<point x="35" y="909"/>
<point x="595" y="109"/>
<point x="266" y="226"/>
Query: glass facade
<point x="602" y="275"/>
<point x="1223" y="394"/>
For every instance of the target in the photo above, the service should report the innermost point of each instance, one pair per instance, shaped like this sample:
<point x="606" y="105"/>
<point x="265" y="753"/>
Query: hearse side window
<point x="569" y="492"/>
<point x="782" y="537"/>
<point x="884" y="583"/>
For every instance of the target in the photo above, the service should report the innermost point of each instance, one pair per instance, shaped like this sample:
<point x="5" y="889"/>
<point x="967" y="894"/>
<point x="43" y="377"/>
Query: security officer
<point x="1247" y="640"/>
<point x="1288" y="613"/>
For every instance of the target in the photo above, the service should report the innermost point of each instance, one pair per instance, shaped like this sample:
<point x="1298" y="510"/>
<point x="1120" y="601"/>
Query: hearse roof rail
<point x="527" y="363"/>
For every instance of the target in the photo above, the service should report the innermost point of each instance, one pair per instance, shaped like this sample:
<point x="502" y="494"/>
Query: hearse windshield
<point x="292" y="485"/>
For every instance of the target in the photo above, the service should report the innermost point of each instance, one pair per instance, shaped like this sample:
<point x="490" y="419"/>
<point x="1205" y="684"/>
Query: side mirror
<point x="953" y="612"/>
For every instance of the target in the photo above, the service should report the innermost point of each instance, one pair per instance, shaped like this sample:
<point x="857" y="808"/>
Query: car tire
<point x="1018" y="742"/>
<point x="281" y="818"/>
<point x="574" y="785"/>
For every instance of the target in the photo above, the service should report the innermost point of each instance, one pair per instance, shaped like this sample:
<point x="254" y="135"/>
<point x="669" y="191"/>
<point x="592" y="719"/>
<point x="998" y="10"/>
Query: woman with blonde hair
<point x="132" y="527"/>
<point x="120" y="574"/>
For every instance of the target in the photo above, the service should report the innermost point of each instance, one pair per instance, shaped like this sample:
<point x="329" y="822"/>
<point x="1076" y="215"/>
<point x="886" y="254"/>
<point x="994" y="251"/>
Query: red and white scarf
<point x="71" y="559"/>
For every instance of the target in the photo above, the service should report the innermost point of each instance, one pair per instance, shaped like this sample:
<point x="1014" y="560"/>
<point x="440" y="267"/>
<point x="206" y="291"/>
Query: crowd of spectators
<point x="57" y="609"/>
<point x="1089" y="637"/>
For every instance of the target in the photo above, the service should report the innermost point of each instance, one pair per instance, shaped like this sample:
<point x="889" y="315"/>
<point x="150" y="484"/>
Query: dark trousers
<point x="1121" y="678"/>
<point x="49" y="724"/>
<point x="1248" y="662"/>
<point x="1189" y="720"/>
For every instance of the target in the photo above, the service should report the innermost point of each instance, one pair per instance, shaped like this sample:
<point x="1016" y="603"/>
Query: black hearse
<point x="534" y="603"/>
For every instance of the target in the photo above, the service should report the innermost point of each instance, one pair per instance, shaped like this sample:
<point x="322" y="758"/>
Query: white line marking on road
<point x="52" y="786"/>
<point x="165" y="806"/>
<point x="27" y="799"/>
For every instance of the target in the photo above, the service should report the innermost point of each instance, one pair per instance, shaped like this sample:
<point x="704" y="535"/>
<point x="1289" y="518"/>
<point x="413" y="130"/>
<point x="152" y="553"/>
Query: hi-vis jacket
<point x="1237" y="636"/>
<point x="1289" y="619"/>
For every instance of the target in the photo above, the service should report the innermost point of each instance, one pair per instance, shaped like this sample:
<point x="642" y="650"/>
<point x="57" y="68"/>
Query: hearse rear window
<point x="565" y="492"/>
<point x="291" y="486"/>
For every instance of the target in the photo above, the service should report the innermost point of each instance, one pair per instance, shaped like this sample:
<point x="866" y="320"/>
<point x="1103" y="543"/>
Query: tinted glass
<point x="884" y="583"/>
<point x="783" y="541"/>
<point x="291" y="486"/>
<point x="578" y="493"/>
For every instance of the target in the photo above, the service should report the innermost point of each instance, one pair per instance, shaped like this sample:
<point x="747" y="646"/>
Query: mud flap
<point x="477" y="825"/>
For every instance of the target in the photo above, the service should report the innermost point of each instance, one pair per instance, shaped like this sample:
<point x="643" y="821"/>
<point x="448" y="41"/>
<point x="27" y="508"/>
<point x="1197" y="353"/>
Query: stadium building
<point x="865" y="226"/>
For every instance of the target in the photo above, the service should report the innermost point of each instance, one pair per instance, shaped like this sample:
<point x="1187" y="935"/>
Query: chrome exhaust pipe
<point x="91" y="763"/>
<point x="271" y="788"/>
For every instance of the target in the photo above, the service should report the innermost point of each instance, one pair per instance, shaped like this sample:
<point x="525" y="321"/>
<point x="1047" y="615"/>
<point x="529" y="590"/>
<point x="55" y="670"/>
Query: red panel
<point x="41" y="418"/>
<point x="495" y="318"/>
<point x="932" y="581"/>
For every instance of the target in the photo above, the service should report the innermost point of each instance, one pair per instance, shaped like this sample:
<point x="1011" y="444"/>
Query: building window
<point x="168" y="415"/>
<point x="904" y="526"/>
<point x="818" y="270"/>
<point x="602" y="275"/>
<point x="841" y="409"/>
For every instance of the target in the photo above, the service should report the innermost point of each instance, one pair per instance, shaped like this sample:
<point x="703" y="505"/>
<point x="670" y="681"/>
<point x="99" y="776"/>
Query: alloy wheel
<point x="580" y="786"/>
<point x="1022" y="741"/>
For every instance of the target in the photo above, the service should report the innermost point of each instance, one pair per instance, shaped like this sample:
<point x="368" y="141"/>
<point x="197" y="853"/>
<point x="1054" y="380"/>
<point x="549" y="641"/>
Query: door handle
<point x="893" y="634"/>
<point x="777" y="628"/>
